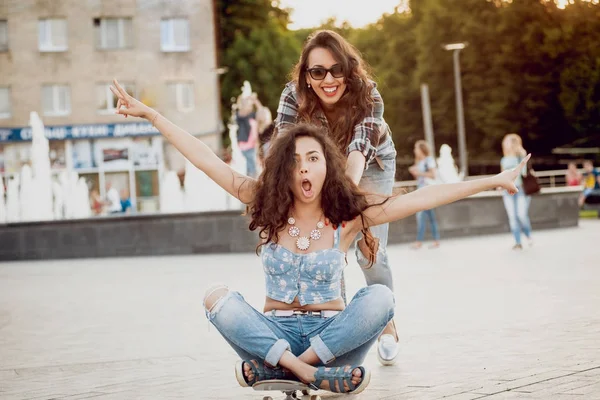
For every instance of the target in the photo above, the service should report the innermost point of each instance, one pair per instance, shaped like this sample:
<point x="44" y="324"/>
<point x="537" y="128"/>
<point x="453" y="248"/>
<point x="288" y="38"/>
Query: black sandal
<point x="341" y="375"/>
<point x="261" y="372"/>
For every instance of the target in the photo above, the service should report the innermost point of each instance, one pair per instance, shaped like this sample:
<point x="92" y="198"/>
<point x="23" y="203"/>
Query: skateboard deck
<point x="289" y="388"/>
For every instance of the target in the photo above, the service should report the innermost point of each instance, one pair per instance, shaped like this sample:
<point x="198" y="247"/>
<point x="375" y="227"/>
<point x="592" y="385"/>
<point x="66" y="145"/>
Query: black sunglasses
<point x="319" y="73"/>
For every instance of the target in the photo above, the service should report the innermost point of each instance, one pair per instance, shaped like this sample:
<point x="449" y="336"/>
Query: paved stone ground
<point x="477" y="321"/>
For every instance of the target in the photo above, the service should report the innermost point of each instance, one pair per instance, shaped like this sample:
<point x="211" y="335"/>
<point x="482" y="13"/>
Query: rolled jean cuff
<point x="321" y="350"/>
<point x="276" y="351"/>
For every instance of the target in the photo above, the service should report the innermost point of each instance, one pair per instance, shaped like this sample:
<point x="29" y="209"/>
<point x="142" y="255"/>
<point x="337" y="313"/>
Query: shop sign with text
<point x="92" y="131"/>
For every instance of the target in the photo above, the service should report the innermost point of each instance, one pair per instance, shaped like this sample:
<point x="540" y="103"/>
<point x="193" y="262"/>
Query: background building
<point x="57" y="57"/>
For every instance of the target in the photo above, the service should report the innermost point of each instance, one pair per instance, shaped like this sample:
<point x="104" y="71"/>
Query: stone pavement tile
<point x="520" y="384"/>
<point x="462" y="396"/>
<point x="592" y="372"/>
<point x="81" y="396"/>
<point x="588" y="390"/>
<point x="586" y="365"/>
<point x="523" y="396"/>
<point x="134" y="327"/>
<point x="512" y="375"/>
<point x="551" y="385"/>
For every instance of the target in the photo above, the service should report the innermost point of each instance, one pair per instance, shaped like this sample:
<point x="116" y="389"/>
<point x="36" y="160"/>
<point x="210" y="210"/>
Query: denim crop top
<point x="314" y="277"/>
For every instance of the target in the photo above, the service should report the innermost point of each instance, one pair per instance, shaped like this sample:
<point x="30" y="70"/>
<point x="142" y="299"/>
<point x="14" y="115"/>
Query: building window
<point x="175" y="34"/>
<point x="182" y="95"/>
<point x="53" y="34"/>
<point x="56" y="100"/>
<point x="105" y="99"/>
<point x="5" y="102"/>
<point x="113" y="33"/>
<point x="3" y="35"/>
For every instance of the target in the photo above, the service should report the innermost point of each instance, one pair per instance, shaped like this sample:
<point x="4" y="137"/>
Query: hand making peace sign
<point x="128" y="105"/>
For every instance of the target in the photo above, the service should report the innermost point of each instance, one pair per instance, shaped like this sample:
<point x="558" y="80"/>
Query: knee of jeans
<point x="380" y="296"/>
<point x="380" y="304"/>
<point x="383" y="296"/>
<point x="214" y="296"/>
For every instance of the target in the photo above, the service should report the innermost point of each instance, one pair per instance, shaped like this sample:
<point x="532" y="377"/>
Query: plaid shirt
<point x="372" y="136"/>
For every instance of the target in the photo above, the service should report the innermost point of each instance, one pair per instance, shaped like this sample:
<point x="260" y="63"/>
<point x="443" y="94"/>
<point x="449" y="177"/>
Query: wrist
<point x="494" y="182"/>
<point x="149" y="114"/>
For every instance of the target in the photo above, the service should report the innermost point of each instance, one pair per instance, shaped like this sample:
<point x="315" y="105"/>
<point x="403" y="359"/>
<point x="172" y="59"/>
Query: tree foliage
<point x="255" y="45"/>
<point x="529" y="67"/>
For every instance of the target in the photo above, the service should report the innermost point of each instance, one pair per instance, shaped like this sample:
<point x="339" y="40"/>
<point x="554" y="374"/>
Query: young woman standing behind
<point x="331" y="88"/>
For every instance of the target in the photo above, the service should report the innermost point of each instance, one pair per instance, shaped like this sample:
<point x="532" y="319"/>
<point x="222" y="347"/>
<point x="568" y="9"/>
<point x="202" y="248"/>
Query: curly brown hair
<point x="341" y="199"/>
<point x="356" y="103"/>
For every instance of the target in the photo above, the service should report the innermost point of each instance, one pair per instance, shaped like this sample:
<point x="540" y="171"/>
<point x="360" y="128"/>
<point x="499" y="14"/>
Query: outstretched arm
<point x="437" y="195"/>
<point x="198" y="153"/>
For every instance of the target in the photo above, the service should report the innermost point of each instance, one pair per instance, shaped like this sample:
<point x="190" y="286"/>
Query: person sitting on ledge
<point x="308" y="213"/>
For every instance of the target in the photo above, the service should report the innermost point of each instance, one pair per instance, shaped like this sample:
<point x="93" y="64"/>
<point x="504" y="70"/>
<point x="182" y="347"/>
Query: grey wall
<point x="222" y="232"/>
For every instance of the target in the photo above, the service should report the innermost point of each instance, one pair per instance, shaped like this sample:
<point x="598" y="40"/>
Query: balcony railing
<point x="547" y="179"/>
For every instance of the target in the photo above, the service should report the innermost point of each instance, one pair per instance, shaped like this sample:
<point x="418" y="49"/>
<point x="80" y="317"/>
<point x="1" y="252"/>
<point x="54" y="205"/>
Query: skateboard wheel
<point x="315" y="397"/>
<point x="267" y="398"/>
<point x="305" y="392"/>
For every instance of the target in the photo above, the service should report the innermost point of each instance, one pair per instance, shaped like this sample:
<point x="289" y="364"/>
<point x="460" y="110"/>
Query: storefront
<point x="128" y="155"/>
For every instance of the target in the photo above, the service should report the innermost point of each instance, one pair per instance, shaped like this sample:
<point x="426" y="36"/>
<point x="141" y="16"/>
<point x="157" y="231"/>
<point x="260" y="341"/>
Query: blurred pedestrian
<point x="266" y="127"/>
<point x="425" y="170"/>
<point x="591" y="181"/>
<point x="96" y="202"/>
<point x="517" y="206"/>
<point x="247" y="134"/>
<point x="573" y="176"/>
<point x="126" y="206"/>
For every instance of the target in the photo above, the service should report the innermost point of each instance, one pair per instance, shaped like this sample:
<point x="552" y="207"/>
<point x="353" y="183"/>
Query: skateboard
<point x="289" y="388"/>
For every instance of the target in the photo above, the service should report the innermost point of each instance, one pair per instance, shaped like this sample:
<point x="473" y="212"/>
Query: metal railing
<point x="547" y="179"/>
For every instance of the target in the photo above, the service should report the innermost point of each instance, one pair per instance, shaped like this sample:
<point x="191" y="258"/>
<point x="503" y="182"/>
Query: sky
<point x="310" y="13"/>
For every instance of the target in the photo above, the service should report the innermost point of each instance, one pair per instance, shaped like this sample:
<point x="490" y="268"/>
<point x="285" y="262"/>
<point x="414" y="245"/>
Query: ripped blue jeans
<point x="343" y="339"/>
<point x="376" y="180"/>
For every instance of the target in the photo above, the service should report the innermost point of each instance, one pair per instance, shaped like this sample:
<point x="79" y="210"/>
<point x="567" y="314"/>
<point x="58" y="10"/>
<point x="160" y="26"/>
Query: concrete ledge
<point x="223" y="232"/>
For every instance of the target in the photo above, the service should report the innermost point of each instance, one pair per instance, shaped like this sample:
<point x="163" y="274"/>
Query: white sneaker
<point x="387" y="349"/>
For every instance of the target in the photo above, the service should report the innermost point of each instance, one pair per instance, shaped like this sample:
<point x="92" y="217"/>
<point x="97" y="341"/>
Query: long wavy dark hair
<point x="341" y="199"/>
<point x="356" y="103"/>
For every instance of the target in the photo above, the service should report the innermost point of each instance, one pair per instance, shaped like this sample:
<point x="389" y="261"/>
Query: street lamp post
<point x="460" y="115"/>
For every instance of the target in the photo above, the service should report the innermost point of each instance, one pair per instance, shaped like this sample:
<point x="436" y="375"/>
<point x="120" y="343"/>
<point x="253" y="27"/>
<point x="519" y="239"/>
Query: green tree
<point x="389" y="47"/>
<point x="580" y="75"/>
<point x="255" y="45"/>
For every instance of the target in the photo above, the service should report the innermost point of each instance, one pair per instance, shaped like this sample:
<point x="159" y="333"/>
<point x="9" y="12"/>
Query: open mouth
<point x="330" y="91"/>
<point x="307" y="188"/>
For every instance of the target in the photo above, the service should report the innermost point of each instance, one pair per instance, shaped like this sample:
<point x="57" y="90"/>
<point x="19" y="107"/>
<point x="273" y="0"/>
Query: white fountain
<point x="27" y="195"/>
<point x="35" y="196"/>
<point x="447" y="170"/>
<point x="171" y="195"/>
<point x="200" y="192"/>
<point x="57" y="192"/>
<point x="42" y="204"/>
<point x="13" y="207"/>
<point x="81" y="204"/>
<point x="68" y="184"/>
